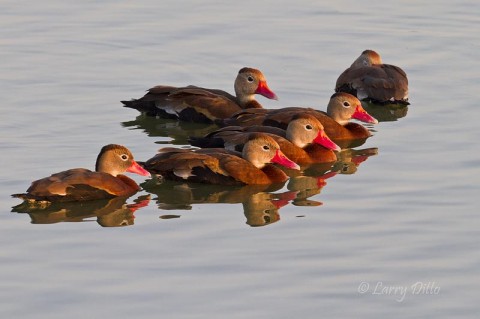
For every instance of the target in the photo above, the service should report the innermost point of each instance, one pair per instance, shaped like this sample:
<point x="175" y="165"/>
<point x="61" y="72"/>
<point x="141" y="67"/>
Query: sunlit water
<point x="392" y="232"/>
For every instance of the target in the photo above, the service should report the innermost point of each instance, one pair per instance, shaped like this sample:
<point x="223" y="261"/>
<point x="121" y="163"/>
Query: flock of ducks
<point x="251" y="142"/>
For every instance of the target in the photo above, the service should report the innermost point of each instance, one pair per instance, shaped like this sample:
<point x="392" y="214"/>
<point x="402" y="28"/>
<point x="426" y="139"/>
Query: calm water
<point x="394" y="231"/>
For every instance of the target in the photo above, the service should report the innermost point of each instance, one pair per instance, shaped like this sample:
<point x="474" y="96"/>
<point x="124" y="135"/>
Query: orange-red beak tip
<point x="137" y="169"/>
<point x="264" y="90"/>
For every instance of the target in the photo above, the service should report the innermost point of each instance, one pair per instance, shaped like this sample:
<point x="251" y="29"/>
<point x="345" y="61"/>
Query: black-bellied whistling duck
<point x="80" y="184"/>
<point x="221" y="166"/>
<point x="369" y="79"/>
<point x="341" y="108"/>
<point x="196" y="104"/>
<point x="304" y="141"/>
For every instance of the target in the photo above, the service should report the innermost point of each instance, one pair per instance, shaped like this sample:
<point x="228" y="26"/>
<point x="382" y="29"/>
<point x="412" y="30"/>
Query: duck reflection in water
<point x="386" y="112"/>
<point x="176" y="132"/>
<point x="350" y="160"/>
<point x="261" y="203"/>
<point x="307" y="187"/>
<point x="113" y="212"/>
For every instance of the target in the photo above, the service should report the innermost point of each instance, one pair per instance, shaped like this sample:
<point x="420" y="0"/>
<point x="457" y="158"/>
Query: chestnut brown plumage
<point x="369" y="79"/>
<point x="80" y="184"/>
<point x="341" y="108"/>
<point x="304" y="141"/>
<point x="221" y="166"/>
<point x="196" y="104"/>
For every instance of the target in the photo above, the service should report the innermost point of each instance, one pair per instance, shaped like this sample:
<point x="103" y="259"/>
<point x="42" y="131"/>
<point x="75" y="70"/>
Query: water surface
<point x="401" y="217"/>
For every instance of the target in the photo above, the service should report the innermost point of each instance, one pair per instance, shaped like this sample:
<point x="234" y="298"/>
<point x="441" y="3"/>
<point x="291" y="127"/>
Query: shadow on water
<point x="178" y="131"/>
<point x="113" y="212"/>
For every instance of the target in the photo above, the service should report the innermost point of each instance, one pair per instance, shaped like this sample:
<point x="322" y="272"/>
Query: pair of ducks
<point x="252" y="137"/>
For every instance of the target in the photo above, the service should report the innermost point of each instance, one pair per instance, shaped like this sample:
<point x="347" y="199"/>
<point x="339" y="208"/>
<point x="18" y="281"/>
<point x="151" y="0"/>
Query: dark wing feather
<point x="378" y="82"/>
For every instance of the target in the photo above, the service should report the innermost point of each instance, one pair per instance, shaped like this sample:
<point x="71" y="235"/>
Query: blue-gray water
<point x="398" y="237"/>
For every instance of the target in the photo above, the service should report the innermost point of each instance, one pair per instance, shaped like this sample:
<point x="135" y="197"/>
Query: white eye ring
<point x="266" y="147"/>
<point x="124" y="157"/>
<point x="308" y="127"/>
<point x="346" y="105"/>
<point x="250" y="78"/>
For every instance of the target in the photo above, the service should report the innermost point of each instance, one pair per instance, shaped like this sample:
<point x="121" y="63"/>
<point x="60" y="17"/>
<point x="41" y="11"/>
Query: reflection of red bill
<point x="279" y="203"/>
<point x="143" y="203"/>
<point x="288" y="196"/>
<point x="321" y="179"/>
<point x="357" y="160"/>
<point x="321" y="182"/>
<point x="328" y="175"/>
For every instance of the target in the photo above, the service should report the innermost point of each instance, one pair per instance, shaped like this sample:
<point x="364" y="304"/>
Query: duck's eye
<point x="346" y="104"/>
<point x="124" y="157"/>
<point x="365" y="62"/>
<point x="266" y="147"/>
<point x="250" y="78"/>
<point x="308" y="127"/>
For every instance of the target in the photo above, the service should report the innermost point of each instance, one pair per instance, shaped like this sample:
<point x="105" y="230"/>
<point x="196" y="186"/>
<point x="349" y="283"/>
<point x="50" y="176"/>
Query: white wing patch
<point x="183" y="173"/>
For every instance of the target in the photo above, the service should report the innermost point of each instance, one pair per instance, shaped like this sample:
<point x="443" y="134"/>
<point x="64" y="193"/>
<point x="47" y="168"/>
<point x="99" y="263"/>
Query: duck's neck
<point x="101" y="165"/>
<point x="248" y="102"/>
<point x="342" y="122"/>
<point x="337" y="116"/>
<point x="106" y="169"/>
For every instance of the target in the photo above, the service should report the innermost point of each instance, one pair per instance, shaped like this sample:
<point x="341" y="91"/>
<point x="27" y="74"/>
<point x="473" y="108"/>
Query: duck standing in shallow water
<point x="341" y="108"/>
<point x="371" y="80"/>
<point x="196" y="104"/>
<point x="304" y="141"/>
<point x="221" y="166"/>
<point x="80" y="184"/>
